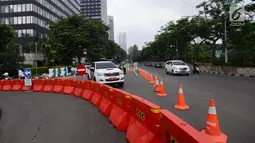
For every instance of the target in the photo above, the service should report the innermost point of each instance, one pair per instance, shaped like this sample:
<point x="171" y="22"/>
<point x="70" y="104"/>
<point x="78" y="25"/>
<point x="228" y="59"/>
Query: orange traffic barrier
<point x="161" y="89"/>
<point x="121" y="109"/>
<point x="151" y="79"/>
<point x="1" y="84"/>
<point x="175" y="130"/>
<point x="79" y="85"/>
<point x="97" y="94"/>
<point x="17" y="85"/>
<point x="69" y="87"/>
<point x="7" y="85"/>
<point x="181" y="104"/>
<point x="212" y="129"/>
<point x="106" y="102"/>
<point x="88" y="90"/>
<point x="38" y="85"/>
<point x="59" y="85"/>
<point x="144" y="124"/>
<point x="49" y="85"/>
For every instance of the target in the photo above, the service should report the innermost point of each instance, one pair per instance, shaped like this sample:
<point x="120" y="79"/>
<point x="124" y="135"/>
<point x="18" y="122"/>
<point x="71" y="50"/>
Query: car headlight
<point x="121" y="73"/>
<point x="176" y="68"/>
<point x="99" y="74"/>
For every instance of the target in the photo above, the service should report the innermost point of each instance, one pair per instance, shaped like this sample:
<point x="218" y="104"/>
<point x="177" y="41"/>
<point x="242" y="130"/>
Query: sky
<point x="142" y="19"/>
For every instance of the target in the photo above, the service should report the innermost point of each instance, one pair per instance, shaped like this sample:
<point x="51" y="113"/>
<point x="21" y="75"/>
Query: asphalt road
<point x="53" y="118"/>
<point x="234" y="98"/>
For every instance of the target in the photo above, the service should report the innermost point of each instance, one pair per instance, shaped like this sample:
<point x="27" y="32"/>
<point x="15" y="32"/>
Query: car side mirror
<point x="92" y="68"/>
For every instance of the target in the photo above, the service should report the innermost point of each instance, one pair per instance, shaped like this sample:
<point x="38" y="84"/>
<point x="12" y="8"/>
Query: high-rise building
<point x="94" y="9"/>
<point x="30" y="18"/>
<point x="111" y="26"/>
<point x="123" y="40"/>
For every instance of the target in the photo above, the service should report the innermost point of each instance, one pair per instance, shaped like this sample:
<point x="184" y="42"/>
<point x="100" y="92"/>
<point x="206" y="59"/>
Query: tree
<point x="134" y="53"/>
<point x="10" y="58"/>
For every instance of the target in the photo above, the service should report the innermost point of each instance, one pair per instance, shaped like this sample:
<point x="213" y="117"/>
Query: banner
<point x="58" y="72"/>
<point x="218" y="54"/>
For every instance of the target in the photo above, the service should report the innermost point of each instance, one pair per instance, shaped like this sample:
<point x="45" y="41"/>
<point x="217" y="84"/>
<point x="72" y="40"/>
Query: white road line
<point x="136" y="73"/>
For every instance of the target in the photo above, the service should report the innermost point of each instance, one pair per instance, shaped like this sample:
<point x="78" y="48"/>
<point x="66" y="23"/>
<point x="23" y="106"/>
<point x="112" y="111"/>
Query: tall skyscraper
<point x="123" y="40"/>
<point x="111" y="26"/>
<point x="30" y="18"/>
<point x="94" y="9"/>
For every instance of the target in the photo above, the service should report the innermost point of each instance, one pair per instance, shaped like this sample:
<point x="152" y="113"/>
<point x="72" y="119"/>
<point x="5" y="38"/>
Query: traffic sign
<point x="27" y="73"/>
<point x="28" y="82"/>
<point x="81" y="70"/>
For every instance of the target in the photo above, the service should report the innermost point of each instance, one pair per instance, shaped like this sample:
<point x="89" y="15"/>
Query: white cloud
<point x="141" y="19"/>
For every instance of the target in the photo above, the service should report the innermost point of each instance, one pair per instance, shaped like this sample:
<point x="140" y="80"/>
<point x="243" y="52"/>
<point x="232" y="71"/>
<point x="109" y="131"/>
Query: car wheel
<point x="121" y="84"/>
<point x="94" y="79"/>
<point x="172" y="73"/>
<point x="166" y="71"/>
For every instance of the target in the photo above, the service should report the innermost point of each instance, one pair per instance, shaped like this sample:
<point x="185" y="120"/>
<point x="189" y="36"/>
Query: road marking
<point x="136" y="73"/>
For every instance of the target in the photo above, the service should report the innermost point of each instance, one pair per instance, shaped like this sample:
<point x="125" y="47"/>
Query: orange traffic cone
<point x="161" y="90"/>
<point x="156" y="85"/>
<point x="212" y="125"/>
<point x="181" y="104"/>
<point x="74" y="76"/>
<point x="151" y="79"/>
<point x="156" y="78"/>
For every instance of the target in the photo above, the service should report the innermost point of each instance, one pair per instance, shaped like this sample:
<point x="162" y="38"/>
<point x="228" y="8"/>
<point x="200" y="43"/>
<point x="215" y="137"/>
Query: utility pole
<point x="177" y="52"/>
<point x="36" y="58"/>
<point x="225" y="38"/>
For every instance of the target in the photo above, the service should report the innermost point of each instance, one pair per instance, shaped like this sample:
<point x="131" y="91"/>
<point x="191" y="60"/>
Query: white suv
<point x="106" y="72"/>
<point x="177" y="67"/>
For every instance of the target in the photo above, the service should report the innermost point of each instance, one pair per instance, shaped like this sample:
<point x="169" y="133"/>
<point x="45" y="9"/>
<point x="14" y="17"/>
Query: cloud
<point x="141" y="19"/>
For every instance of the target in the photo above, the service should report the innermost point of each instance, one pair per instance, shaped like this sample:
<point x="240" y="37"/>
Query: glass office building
<point x="30" y="18"/>
<point x="94" y="9"/>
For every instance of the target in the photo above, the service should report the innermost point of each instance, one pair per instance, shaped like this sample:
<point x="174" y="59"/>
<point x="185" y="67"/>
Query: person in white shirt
<point x="21" y="74"/>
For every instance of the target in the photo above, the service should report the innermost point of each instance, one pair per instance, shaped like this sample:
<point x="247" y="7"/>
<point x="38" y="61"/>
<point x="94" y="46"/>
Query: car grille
<point x="183" y="69"/>
<point x="112" y="79"/>
<point x="112" y="74"/>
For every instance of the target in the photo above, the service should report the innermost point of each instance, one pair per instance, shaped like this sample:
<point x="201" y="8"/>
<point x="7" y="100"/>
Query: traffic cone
<point x="161" y="90"/>
<point x="74" y="76"/>
<point x="151" y="79"/>
<point x="212" y="125"/>
<point x="156" y="85"/>
<point x="181" y="104"/>
<point x="156" y="78"/>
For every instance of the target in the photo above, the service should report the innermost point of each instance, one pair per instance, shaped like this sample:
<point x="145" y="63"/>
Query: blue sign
<point x="27" y="73"/>
<point x="65" y="71"/>
<point x="59" y="72"/>
<point x="218" y="53"/>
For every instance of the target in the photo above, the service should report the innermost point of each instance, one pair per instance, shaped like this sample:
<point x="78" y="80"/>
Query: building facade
<point x="94" y="9"/>
<point x="30" y="18"/>
<point x="111" y="26"/>
<point x="123" y="40"/>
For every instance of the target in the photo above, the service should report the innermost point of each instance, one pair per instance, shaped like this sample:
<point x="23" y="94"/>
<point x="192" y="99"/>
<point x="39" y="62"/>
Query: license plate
<point x="112" y="78"/>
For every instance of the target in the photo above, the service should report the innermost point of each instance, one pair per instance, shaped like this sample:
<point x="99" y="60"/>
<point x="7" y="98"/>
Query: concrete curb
<point x="230" y="74"/>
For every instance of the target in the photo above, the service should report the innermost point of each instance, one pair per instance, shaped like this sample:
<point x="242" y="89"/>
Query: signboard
<point x="236" y="15"/>
<point x="84" y="51"/>
<point x="27" y="73"/>
<point x="28" y="82"/>
<point x="81" y="70"/>
<point x="218" y="53"/>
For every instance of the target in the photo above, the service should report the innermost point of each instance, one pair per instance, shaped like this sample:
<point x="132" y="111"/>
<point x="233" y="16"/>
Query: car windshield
<point x="179" y="63"/>
<point x="105" y="65"/>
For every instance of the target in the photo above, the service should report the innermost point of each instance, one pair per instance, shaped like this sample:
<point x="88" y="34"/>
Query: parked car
<point x="106" y="72"/>
<point x="174" y="67"/>
<point x="158" y="65"/>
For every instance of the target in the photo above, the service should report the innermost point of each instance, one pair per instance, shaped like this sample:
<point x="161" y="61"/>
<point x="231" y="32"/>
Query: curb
<point x="230" y="74"/>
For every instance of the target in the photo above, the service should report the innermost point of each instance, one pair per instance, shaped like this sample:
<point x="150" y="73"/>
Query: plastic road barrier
<point x="78" y="88"/>
<point x="49" y="85"/>
<point x="107" y="98"/>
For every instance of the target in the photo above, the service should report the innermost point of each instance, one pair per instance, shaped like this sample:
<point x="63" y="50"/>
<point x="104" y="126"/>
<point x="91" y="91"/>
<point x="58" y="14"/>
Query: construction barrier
<point x="59" y="86"/>
<point x="87" y="90"/>
<point x="175" y="130"/>
<point x="107" y="98"/>
<point x="143" y="121"/>
<point x="17" y="85"/>
<point x="38" y="85"/>
<point x="7" y="85"/>
<point x="97" y="94"/>
<point x="79" y="85"/>
<point x="121" y="110"/>
<point x="49" y="85"/>
<point x="1" y="84"/>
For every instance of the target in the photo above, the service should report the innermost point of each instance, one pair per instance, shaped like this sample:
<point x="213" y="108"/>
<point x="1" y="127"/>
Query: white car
<point x="106" y="72"/>
<point x="174" y="67"/>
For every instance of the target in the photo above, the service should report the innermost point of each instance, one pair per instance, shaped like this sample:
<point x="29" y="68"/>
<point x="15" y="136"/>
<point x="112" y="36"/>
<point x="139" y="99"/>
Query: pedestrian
<point x="21" y="74"/>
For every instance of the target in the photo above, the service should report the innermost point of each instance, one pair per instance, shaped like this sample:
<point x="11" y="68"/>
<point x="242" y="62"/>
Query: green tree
<point x="10" y="59"/>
